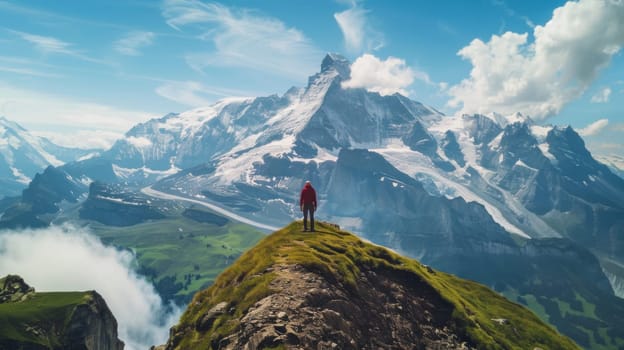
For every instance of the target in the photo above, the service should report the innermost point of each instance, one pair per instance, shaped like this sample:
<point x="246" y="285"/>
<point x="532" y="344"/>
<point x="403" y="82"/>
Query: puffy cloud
<point x="509" y="74"/>
<point x="602" y="96"/>
<point x="132" y="43"/>
<point x="357" y="32"/>
<point x="594" y="128"/>
<point x="68" y="259"/>
<point x="385" y="77"/>
<point x="242" y="38"/>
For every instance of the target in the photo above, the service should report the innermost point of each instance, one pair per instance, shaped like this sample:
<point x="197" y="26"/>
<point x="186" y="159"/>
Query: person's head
<point x="308" y="184"/>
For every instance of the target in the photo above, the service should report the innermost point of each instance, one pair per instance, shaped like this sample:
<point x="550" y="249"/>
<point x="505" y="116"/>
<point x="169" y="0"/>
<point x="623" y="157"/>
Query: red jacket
<point x="308" y="195"/>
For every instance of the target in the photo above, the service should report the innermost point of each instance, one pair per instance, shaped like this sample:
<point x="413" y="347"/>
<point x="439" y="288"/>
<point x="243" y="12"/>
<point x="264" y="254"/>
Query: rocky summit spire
<point x="337" y="62"/>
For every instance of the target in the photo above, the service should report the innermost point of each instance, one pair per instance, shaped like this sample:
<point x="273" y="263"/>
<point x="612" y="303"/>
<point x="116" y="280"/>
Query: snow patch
<point x="20" y="177"/>
<point x="126" y="173"/>
<point x="88" y="156"/>
<point x="117" y="200"/>
<point x="524" y="165"/>
<point x="540" y="132"/>
<point x="411" y="163"/>
<point x="139" y="142"/>
<point x="545" y="148"/>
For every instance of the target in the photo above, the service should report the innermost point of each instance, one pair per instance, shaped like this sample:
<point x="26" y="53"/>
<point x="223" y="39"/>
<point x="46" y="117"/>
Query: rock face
<point x="54" y="320"/>
<point x="307" y="312"/>
<point x="330" y="290"/>
<point x="110" y="206"/>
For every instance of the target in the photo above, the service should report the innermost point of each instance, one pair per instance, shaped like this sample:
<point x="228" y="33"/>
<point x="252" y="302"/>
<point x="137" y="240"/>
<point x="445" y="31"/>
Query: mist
<point x="66" y="258"/>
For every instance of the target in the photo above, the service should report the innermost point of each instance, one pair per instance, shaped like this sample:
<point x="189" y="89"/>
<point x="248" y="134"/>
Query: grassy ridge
<point x="48" y="313"/>
<point x="339" y="256"/>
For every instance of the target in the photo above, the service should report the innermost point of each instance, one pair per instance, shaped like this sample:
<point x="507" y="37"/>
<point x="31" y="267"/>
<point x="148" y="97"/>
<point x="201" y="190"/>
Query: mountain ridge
<point x="295" y="290"/>
<point x="23" y="155"/>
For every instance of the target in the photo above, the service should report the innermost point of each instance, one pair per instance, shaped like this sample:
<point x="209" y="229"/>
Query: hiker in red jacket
<point x="307" y="203"/>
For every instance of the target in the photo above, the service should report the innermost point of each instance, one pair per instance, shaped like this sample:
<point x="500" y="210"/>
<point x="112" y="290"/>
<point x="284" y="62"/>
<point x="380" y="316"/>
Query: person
<point x="307" y="203"/>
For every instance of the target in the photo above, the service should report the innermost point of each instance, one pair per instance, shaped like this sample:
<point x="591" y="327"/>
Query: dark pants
<point x="308" y="209"/>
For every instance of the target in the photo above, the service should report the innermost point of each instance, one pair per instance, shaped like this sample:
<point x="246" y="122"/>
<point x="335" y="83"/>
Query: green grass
<point x="49" y="312"/>
<point x="340" y="256"/>
<point x="181" y="256"/>
<point x="597" y="337"/>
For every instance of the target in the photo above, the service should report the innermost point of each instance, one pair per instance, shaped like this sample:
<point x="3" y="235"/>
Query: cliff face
<point x="330" y="290"/>
<point x="54" y="320"/>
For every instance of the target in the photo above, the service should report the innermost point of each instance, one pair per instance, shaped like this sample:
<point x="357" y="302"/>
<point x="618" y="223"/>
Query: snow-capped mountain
<point x="22" y="155"/>
<point x="533" y="180"/>
<point x="524" y="174"/>
<point x="457" y="192"/>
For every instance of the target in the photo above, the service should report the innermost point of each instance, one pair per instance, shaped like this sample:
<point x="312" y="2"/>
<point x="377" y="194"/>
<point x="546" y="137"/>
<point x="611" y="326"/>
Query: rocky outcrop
<point x="13" y="288"/>
<point x="92" y="326"/>
<point x="307" y="312"/>
<point x="55" y="320"/>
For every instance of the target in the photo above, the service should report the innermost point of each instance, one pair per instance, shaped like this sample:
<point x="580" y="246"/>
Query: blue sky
<point x="84" y="72"/>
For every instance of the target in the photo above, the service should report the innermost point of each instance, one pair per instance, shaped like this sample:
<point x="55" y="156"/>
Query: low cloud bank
<point x="71" y="259"/>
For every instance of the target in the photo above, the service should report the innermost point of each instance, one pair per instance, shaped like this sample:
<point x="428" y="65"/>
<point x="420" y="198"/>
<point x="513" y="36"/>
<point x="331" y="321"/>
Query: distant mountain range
<point x="22" y="155"/>
<point x="521" y="207"/>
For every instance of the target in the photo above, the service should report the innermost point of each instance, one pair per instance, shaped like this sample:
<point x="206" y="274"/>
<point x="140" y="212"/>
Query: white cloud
<point x="196" y="94"/>
<point x="509" y="74"/>
<point x="28" y="71"/>
<point x="133" y="42"/>
<point x="385" y="77"/>
<point x="46" y="44"/>
<point x="41" y="111"/>
<point x="27" y="66"/>
<point x="594" y="128"/>
<point x="190" y="93"/>
<point x="84" y="139"/>
<point x="51" y="45"/>
<point x="357" y="32"/>
<point x="601" y="96"/>
<point x="68" y="259"/>
<point x="242" y="38"/>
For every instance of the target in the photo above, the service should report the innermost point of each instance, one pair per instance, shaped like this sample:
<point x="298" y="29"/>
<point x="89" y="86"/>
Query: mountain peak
<point x="504" y="120"/>
<point x="330" y="289"/>
<point x="337" y="62"/>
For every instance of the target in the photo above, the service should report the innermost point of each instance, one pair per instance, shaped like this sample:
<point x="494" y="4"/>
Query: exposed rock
<point x="93" y="325"/>
<point x="13" y="288"/>
<point x="316" y="317"/>
<point x="208" y="319"/>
